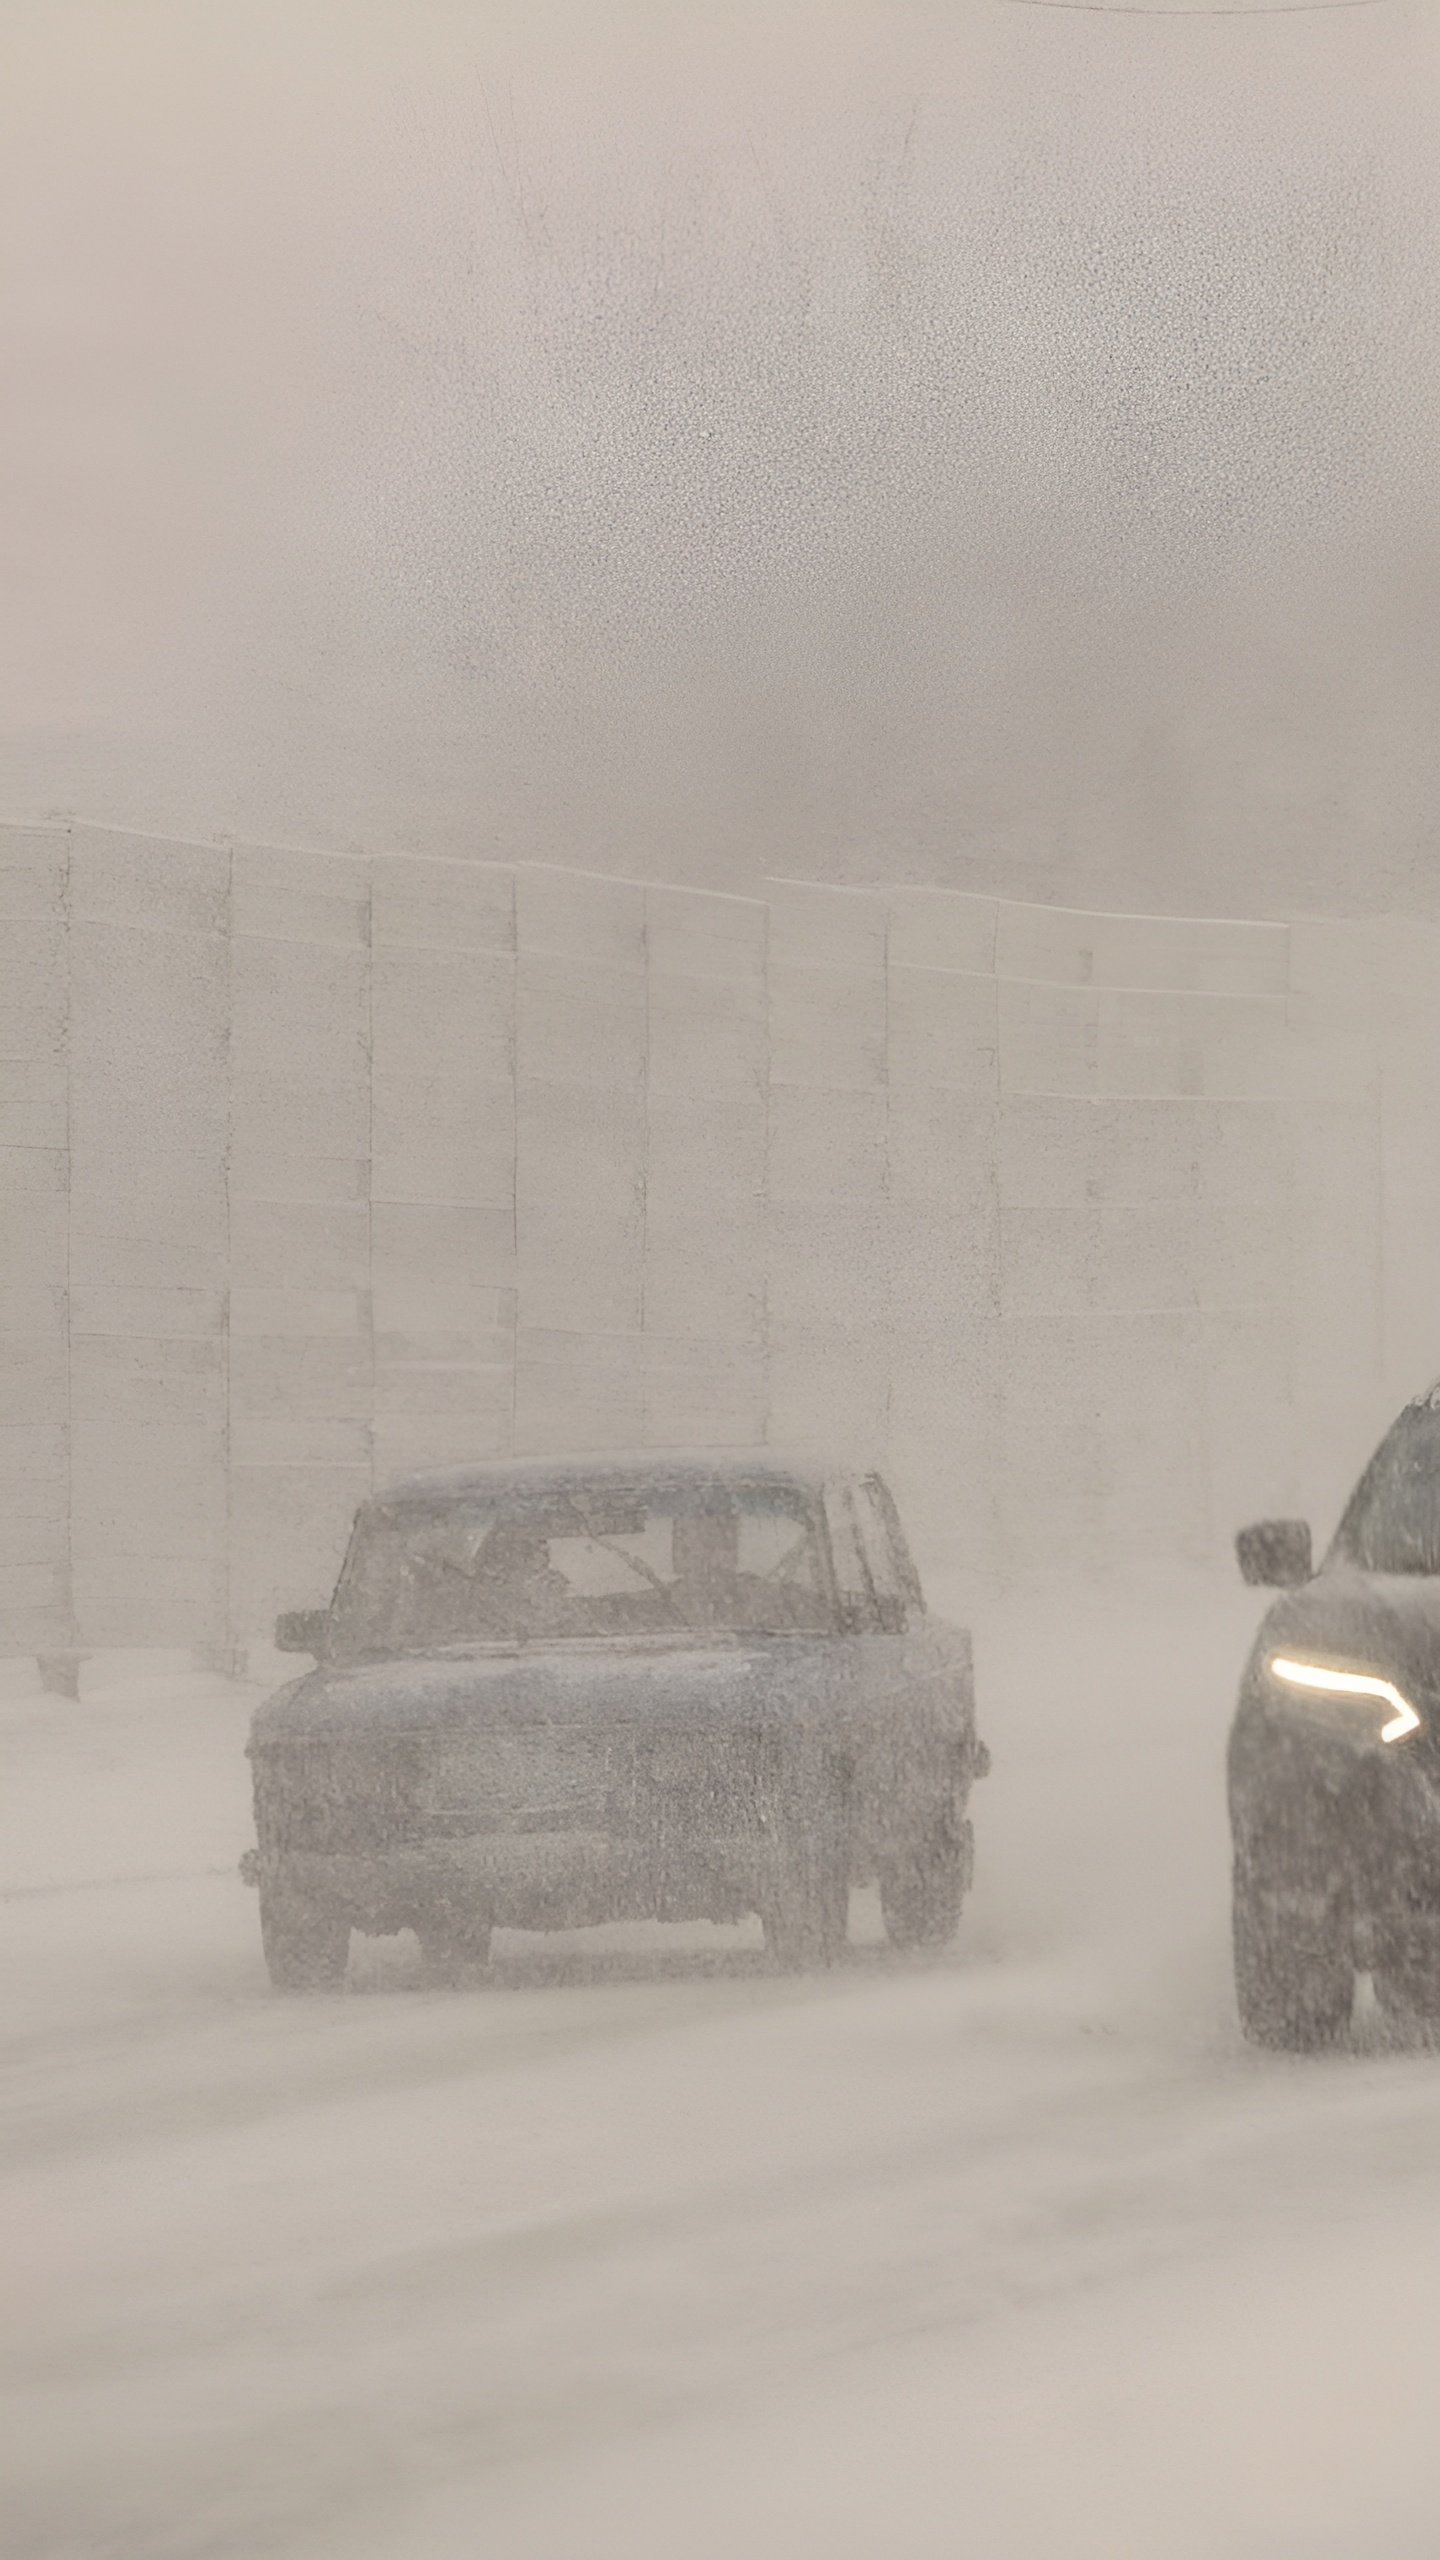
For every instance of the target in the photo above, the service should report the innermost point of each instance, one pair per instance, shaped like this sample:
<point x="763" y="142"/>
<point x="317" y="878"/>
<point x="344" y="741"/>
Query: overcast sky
<point x="975" y="441"/>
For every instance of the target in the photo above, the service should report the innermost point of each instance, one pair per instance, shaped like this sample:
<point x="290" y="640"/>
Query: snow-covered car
<point x="553" y="1694"/>
<point x="1334" y="1757"/>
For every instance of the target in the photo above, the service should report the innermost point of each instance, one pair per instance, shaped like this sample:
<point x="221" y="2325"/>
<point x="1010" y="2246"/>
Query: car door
<point x="888" y="1697"/>
<point x="929" y="1672"/>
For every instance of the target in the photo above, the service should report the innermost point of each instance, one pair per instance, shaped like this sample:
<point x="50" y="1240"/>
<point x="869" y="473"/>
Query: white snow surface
<point x="1016" y="2254"/>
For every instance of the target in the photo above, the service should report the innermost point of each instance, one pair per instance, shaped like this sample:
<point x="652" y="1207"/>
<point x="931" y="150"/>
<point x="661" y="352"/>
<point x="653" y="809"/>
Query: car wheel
<point x="1409" y="2003"/>
<point x="805" y="1930"/>
<point x="923" y="1891"/>
<point x="807" y="1919"/>
<point x="1294" y="1978"/>
<point x="306" y="1943"/>
<point x="452" y="1950"/>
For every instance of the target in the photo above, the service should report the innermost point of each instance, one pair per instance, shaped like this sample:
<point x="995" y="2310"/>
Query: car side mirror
<point x="1275" y="1555"/>
<point x="302" y="1631"/>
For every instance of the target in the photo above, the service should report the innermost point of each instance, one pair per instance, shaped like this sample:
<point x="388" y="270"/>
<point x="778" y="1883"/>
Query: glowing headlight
<point x="1348" y="1684"/>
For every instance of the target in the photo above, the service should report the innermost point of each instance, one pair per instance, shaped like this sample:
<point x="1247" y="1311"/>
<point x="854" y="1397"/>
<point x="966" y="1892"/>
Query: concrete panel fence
<point x="1101" y="1232"/>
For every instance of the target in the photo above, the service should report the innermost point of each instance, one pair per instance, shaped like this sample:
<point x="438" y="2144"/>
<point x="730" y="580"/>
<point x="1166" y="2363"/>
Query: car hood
<point x="760" y="1681"/>
<point x="1387" y="1623"/>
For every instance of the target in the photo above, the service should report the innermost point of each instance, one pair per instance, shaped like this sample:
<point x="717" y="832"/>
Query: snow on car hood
<point x="764" y="1678"/>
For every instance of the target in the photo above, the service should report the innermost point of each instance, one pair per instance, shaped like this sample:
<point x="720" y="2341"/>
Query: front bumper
<point x="537" y="1880"/>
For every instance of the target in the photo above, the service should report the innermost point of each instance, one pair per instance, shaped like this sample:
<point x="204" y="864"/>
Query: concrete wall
<point x="35" y="1595"/>
<point x="1103" y="1232"/>
<point x="1122" y="1182"/>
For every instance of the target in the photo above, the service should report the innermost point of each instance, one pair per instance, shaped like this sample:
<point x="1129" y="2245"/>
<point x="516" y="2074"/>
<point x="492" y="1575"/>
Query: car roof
<point x="499" y="1479"/>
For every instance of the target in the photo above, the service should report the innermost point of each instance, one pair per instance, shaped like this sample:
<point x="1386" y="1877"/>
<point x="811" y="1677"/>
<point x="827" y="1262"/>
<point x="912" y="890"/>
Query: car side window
<point x="852" y="1577"/>
<point x="891" y="1564"/>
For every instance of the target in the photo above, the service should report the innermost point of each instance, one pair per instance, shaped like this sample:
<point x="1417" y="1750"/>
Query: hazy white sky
<point x="967" y="440"/>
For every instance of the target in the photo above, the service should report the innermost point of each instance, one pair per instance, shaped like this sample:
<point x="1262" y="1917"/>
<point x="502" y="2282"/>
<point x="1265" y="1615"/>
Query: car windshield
<point x="1393" y="1523"/>
<point x="747" y="1561"/>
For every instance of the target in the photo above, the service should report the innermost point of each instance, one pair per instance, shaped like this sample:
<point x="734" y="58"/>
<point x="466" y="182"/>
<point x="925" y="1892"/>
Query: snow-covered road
<point x="645" y="2250"/>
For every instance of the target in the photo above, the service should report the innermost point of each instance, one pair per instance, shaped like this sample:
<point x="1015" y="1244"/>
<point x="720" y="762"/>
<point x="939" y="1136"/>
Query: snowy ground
<point x="646" y="2251"/>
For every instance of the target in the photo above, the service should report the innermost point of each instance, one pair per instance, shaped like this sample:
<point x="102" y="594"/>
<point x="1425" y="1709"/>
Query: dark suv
<point x="1334" y="1757"/>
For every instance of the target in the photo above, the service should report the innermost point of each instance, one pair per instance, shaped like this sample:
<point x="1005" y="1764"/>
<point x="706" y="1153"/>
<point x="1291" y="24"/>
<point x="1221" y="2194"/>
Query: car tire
<point x="807" y="1919"/>
<point x="807" y="1926"/>
<point x="1411" y="2011"/>
<point x="306" y="1942"/>
<point x="1294" y="1981"/>
<point x="922" y="1891"/>
<point x="453" y="1950"/>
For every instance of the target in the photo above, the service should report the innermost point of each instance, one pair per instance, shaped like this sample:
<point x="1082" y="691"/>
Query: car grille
<point x="708" y="1785"/>
<point x="627" y="1786"/>
<point x="638" y="1787"/>
<point x="518" y="1782"/>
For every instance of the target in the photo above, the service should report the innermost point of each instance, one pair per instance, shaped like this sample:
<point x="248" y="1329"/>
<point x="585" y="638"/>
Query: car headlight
<point x="1331" y="1682"/>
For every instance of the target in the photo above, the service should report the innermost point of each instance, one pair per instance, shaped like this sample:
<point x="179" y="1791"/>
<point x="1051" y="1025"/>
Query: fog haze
<point x="718" y="736"/>
<point x="983" y="444"/>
